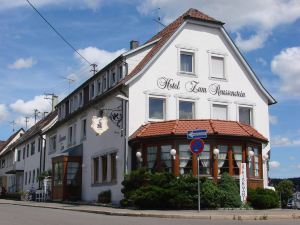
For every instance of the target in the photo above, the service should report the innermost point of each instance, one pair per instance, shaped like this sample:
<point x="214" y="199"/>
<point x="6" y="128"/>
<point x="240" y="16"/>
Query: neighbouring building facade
<point x="25" y="157"/>
<point x="188" y="76"/>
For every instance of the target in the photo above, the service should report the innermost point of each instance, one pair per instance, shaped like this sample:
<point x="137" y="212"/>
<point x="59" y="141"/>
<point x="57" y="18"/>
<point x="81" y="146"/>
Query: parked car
<point x="294" y="201"/>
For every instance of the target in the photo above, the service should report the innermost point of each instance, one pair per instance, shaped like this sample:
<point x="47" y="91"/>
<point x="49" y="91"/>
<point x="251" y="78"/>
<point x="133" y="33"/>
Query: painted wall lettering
<point x="215" y="89"/>
<point x="167" y="83"/>
<point x="193" y="86"/>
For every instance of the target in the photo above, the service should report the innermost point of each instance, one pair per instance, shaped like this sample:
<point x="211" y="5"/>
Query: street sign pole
<point x="198" y="168"/>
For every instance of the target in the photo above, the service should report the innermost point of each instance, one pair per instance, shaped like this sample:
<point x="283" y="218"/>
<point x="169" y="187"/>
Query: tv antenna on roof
<point x="158" y="20"/>
<point x="13" y="123"/>
<point x="70" y="80"/>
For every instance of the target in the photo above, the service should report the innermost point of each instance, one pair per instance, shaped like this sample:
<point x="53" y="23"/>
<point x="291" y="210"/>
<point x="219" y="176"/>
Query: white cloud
<point x="292" y="158"/>
<point x="287" y="67"/>
<point x="298" y="166"/>
<point x="99" y="56"/>
<point x="21" y="122"/>
<point x="279" y="141"/>
<point x="274" y="164"/>
<point x="22" y="63"/>
<point x="262" y="61"/>
<point x="92" y="4"/>
<point x="255" y="41"/>
<point x="259" y="17"/>
<point x="3" y="112"/>
<point x="273" y="120"/>
<point x="27" y="107"/>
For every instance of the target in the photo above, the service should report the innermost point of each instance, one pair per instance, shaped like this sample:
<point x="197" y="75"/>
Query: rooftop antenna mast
<point x="53" y="98"/>
<point x="158" y="20"/>
<point x="36" y="114"/>
<point x="26" y="122"/>
<point x="94" y="70"/>
<point x="70" y="80"/>
<point x="13" y="123"/>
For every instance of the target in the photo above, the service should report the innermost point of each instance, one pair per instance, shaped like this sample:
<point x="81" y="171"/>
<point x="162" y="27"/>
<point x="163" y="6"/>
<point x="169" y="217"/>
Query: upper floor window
<point x="92" y="90"/>
<point x="75" y="104"/>
<point x="24" y="152"/>
<point x="83" y="129"/>
<point x="245" y="115"/>
<point x="157" y="108"/>
<point x="72" y="135"/>
<point x="217" y="65"/>
<point x="187" y="62"/>
<point x="186" y="109"/>
<point x="52" y="144"/>
<point x="113" y="77"/>
<point x="219" y="112"/>
<point x="27" y="150"/>
<point x="19" y="155"/>
<point x="32" y="148"/>
<point x="99" y="86"/>
<point x="80" y="99"/>
<point x="71" y="105"/>
<point x="120" y="71"/>
<point x="104" y="82"/>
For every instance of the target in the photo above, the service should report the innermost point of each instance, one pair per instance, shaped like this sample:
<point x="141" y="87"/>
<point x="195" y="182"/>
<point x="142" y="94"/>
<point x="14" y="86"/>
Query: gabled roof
<point x="36" y="129"/>
<point x="3" y="144"/>
<point x="165" y="35"/>
<point x="213" y="127"/>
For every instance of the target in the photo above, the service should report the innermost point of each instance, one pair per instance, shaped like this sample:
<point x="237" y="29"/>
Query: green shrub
<point x="263" y="199"/>
<point x="210" y="195"/>
<point x="285" y="189"/>
<point x="230" y="193"/>
<point x="104" y="197"/>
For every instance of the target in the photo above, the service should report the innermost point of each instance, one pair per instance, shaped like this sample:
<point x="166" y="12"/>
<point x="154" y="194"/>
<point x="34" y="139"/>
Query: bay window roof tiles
<point x="213" y="127"/>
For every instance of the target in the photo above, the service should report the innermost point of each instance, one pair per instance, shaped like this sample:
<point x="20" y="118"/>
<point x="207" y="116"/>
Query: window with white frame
<point x="186" y="109"/>
<point x="75" y="102"/>
<point x="187" y="62"/>
<point x="219" y="112"/>
<point x="52" y="144"/>
<point x="71" y="105"/>
<point x="157" y="108"/>
<point x="217" y="67"/>
<point x="245" y="115"/>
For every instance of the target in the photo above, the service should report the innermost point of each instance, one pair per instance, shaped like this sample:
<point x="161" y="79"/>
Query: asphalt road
<point x="24" y="215"/>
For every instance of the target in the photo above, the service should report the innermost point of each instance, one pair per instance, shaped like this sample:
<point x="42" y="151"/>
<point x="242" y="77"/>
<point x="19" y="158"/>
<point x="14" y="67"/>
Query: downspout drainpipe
<point x="42" y="156"/>
<point x="125" y="129"/>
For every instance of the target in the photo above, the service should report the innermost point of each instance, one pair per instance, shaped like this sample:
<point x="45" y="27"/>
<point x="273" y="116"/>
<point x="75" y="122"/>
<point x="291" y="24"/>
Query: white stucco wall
<point x="94" y="145"/>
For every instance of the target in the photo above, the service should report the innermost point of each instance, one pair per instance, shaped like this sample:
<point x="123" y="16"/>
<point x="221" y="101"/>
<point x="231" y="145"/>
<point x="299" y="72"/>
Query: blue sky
<point x="33" y="60"/>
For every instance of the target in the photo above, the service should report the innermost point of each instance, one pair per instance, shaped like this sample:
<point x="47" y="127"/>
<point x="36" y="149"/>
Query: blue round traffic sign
<point x="197" y="146"/>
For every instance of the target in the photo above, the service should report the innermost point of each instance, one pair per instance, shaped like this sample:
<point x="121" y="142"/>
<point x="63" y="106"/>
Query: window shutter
<point x="217" y="65"/>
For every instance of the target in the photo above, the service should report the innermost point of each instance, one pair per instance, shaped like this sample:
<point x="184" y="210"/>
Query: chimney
<point x="134" y="44"/>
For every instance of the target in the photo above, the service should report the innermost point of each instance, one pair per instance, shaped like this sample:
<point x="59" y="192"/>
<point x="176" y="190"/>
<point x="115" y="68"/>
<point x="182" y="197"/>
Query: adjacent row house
<point x="140" y="106"/>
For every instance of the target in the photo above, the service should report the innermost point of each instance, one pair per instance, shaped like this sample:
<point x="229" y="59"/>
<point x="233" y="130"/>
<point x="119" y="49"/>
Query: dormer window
<point x="71" y="105"/>
<point x="113" y="78"/>
<point x="80" y="99"/>
<point x="104" y="82"/>
<point x="92" y="90"/>
<point x="120" y="71"/>
<point x="99" y="86"/>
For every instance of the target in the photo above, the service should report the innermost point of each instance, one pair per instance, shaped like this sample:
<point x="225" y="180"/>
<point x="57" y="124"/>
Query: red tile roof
<point x="213" y="127"/>
<point x="165" y="35"/>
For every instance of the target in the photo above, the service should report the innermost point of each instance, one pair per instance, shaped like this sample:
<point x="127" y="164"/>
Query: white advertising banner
<point x="243" y="182"/>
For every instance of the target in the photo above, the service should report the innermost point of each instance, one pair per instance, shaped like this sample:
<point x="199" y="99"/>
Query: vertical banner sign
<point x="243" y="182"/>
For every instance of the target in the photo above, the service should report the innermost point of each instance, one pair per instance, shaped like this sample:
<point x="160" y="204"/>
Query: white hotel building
<point x="188" y="76"/>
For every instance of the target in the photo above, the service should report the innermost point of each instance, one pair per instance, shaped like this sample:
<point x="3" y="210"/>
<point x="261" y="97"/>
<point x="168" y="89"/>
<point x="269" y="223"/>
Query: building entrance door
<point x="66" y="179"/>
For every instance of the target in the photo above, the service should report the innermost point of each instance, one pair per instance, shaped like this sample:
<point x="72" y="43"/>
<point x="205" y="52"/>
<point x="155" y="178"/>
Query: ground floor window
<point x="113" y="166"/>
<point x="223" y="160"/>
<point x="165" y="158"/>
<point x="72" y="172"/>
<point x="204" y="163"/>
<point x="104" y="168"/>
<point x="237" y="159"/>
<point x="96" y="170"/>
<point x="185" y="159"/>
<point x="151" y="157"/>
<point x="58" y="173"/>
<point x="254" y="168"/>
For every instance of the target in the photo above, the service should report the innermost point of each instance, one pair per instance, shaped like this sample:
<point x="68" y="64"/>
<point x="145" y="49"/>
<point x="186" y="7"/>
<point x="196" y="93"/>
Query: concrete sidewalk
<point x="180" y="214"/>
